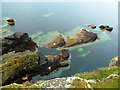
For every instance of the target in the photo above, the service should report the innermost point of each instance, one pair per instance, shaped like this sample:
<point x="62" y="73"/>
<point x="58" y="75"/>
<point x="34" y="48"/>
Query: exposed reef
<point x="82" y="37"/>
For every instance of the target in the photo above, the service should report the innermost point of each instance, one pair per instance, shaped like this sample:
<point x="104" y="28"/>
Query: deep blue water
<point x="47" y="17"/>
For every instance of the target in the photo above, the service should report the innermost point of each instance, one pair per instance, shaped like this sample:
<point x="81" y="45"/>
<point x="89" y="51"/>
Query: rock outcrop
<point x="57" y="41"/>
<point x="10" y="21"/>
<point x="106" y="27"/>
<point x="20" y="59"/>
<point x="18" y="52"/>
<point x="92" y="26"/>
<point x="17" y="42"/>
<point x="82" y="37"/>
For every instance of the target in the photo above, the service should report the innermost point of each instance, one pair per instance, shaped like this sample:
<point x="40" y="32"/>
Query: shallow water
<point x="48" y="19"/>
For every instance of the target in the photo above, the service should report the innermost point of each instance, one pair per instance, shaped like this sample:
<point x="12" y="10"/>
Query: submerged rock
<point x="10" y="21"/>
<point x="92" y="26"/>
<point x="106" y="27"/>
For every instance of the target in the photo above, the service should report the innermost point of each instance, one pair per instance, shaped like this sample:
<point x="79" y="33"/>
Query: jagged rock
<point x="106" y="27"/>
<point x="82" y="37"/>
<point x="18" y="52"/>
<point x="64" y="55"/>
<point x="24" y="65"/>
<point x="10" y="21"/>
<point x="56" y="42"/>
<point x="115" y="62"/>
<point x="52" y="62"/>
<point x="17" y="42"/>
<point x="20" y="59"/>
<point x="92" y="26"/>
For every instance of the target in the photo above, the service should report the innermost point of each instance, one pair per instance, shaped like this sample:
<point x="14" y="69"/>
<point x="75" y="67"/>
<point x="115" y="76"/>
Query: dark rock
<point x="65" y="54"/>
<point x="10" y="21"/>
<point x="17" y="42"/>
<point x="109" y="29"/>
<point x="103" y="26"/>
<point x="92" y="26"/>
<point x="106" y="27"/>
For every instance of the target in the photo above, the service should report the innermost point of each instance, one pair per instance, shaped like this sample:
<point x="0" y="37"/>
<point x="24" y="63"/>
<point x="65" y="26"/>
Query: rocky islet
<point x="79" y="38"/>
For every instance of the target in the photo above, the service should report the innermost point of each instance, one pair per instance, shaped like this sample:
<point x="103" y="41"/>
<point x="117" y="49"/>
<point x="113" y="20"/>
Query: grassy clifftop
<point x="101" y="78"/>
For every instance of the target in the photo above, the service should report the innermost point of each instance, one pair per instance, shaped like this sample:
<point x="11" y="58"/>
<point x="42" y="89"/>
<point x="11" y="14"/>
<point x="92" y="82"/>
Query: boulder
<point x="92" y="26"/>
<point x="106" y="27"/>
<point x="10" y="21"/>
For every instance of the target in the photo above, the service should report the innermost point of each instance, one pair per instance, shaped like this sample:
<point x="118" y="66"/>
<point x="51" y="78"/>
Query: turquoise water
<point x="44" y="20"/>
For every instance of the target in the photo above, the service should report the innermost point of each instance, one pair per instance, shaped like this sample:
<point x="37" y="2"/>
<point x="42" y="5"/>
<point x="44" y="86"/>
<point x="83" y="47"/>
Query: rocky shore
<point x="21" y="61"/>
<point x="106" y="77"/>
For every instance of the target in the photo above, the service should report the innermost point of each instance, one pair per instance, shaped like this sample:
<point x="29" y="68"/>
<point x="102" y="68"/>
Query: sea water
<point x="42" y="21"/>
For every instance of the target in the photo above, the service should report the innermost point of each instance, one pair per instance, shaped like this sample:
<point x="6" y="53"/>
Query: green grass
<point x="110" y="83"/>
<point x="78" y="84"/>
<point x="99" y="73"/>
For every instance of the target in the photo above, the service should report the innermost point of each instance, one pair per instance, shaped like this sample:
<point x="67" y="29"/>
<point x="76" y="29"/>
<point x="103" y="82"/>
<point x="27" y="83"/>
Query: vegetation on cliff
<point x="100" y="78"/>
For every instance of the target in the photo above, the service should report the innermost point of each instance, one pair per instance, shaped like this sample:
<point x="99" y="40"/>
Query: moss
<point x="99" y="73"/>
<point x="12" y="62"/>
